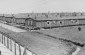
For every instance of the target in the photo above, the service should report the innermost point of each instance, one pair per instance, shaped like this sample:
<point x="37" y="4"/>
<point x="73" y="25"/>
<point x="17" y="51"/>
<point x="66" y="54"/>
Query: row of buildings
<point x="54" y="15"/>
<point x="38" y="21"/>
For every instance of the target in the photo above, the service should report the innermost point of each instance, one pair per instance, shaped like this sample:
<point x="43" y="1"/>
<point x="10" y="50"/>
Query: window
<point x="75" y="21"/>
<point x="72" y="21"/>
<point x="47" y="22"/>
<point x="60" y="22"/>
<point x="30" y="22"/>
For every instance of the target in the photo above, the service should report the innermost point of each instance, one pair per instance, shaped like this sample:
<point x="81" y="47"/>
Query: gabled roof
<point x="8" y="15"/>
<point x="72" y="17"/>
<point x="60" y="18"/>
<point x="21" y="16"/>
<point x="41" y="18"/>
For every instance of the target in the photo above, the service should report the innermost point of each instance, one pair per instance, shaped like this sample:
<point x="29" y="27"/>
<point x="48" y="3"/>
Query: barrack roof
<point x="60" y="18"/>
<point x="8" y="15"/>
<point x="21" y="16"/>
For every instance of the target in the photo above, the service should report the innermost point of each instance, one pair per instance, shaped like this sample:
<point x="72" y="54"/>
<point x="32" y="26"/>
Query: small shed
<point x="1" y="16"/>
<point x="8" y="18"/>
<point x="30" y="23"/>
<point x="23" y="19"/>
<point x="19" y="18"/>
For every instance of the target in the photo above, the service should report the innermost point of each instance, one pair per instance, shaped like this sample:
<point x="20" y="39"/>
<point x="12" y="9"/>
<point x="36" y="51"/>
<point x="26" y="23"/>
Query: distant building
<point x="8" y="18"/>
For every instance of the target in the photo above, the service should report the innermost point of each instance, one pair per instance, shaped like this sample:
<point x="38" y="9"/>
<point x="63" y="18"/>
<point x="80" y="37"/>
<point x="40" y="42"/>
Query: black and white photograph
<point x="42" y="27"/>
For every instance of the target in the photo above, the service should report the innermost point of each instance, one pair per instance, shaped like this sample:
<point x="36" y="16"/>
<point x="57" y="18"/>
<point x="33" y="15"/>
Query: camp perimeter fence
<point x="13" y="46"/>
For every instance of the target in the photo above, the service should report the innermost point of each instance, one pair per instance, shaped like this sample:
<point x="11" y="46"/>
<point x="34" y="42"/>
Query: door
<point x="30" y="22"/>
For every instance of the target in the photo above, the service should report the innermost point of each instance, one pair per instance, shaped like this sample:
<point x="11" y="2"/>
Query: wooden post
<point x="7" y="42"/>
<point x="19" y="50"/>
<point x="10" y="45"/>
<point x="15" y="47"/>
<point x="2" y="38"/>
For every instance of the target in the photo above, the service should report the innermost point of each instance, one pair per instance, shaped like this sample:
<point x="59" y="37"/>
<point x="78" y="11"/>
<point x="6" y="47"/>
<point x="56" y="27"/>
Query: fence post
<point x="10" y="45"/>
<point x="7" y="42"/>
<point x="19" y="50"/>
<point x="15" y="47"/>
<point x="2" y="38"/>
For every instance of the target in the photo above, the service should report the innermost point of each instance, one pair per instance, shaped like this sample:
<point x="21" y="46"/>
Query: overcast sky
<point x="25" y="6"/>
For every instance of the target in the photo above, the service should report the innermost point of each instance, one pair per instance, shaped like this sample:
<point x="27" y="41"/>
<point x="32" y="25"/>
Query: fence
<point x="13" y="46"/>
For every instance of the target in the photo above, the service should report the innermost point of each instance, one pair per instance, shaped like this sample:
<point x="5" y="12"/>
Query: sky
<point x="37" y="6"/>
